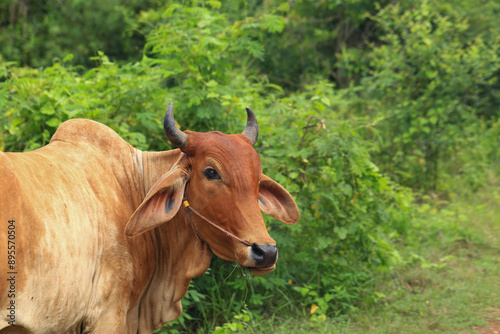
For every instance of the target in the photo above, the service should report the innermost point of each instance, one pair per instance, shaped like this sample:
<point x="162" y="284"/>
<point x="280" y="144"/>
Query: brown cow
<point x="94" y="237"/>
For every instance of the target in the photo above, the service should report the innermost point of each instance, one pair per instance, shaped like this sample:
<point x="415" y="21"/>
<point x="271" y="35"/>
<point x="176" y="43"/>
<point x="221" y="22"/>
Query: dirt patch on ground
<point x="494" y="327"/>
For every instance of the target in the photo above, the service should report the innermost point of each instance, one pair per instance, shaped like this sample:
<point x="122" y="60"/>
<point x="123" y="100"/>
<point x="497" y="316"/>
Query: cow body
<point x="76" y="271"/>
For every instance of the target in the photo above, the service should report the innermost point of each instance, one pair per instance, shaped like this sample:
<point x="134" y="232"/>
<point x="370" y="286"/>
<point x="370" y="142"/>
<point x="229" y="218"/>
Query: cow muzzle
<point x="261" y="258"/>
<point x="263" y="255"/>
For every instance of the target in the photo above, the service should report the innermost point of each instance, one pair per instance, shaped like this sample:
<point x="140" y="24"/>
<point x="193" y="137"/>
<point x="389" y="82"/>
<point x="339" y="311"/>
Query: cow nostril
<point x="264" y="255"/>
<point x="257" y="253"/>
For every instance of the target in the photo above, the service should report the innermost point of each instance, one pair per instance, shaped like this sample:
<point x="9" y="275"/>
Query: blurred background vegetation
<point x="367" y="111"/>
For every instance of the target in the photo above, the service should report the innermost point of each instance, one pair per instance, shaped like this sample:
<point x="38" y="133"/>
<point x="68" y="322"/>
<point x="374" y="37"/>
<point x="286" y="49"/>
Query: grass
<point x="449" y="282"/>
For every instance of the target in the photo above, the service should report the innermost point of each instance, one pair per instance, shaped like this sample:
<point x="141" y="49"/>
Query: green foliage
<point x="38" y="101"/>
<point x="37" y="32"/>
<point x="349" y="206"/>
<point x="313" y="35"/>
<point x="354" y="99"/>
<point x="428" y="83"/>
<point x="241" y="321"/>
<point x="203" y="57"/>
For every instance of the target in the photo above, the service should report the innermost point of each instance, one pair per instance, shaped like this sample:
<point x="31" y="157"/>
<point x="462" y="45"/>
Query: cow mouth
<point x="256" y="271"/>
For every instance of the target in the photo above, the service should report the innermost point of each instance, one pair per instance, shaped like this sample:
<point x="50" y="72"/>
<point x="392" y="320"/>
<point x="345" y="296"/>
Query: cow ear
<point x="160" y="205"/>
<point x="275" y="201"/>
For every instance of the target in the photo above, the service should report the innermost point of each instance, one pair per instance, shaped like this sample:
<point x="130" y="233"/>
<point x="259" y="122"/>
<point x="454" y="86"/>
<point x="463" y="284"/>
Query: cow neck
<point x="180" y="258"/>
<point x="179" y="255"/>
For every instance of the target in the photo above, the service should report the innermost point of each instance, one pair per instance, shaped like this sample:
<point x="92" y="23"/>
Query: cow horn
<point x="252" y="127"/>
<point x="176" y="136"/>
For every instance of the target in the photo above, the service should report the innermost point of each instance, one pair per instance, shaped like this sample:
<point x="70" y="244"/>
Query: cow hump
<point x="84" y="131"/>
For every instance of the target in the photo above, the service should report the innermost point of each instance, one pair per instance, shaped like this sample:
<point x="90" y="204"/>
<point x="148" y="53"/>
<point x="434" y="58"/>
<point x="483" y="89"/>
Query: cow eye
<point x="211" y="174"/>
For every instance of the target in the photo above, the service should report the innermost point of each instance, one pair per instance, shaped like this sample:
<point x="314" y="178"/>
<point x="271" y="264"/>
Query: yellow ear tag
<point x="186" y="203"/>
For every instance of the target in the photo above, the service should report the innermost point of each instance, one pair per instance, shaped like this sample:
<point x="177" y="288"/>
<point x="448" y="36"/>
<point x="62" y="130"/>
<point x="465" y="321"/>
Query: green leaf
<point x="273" y="23"/>
<point x="284" y="7"/>
<point x="53" y="122"/>
<point x="341" y="232"/>
<point x="211" y="83"/>
<point x="212" y="95"/>
<point x="47" y="109"/>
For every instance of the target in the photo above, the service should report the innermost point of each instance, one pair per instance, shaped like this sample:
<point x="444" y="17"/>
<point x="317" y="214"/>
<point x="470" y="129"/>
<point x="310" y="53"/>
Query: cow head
<point x="221" y="177"/>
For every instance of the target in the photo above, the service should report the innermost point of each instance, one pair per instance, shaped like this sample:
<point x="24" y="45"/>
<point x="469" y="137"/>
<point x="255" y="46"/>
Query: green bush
<point x="36" y="102"/>
<point x="35" y="33"/>
<point x="427" y="81"/>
